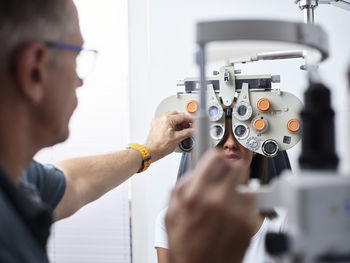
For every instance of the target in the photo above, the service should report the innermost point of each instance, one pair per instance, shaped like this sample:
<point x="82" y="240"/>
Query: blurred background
<point x="144" y="48"/>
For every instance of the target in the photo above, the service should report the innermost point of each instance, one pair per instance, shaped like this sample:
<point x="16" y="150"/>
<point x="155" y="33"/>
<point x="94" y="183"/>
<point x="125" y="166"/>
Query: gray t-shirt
<point x="26" y="213"/>
<point x="44" y="183"/>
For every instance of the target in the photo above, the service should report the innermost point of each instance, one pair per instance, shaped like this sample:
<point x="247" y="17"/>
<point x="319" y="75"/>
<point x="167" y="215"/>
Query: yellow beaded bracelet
<point x="146" y="157"/>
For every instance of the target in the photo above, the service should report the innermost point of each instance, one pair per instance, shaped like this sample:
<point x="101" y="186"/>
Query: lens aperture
<point x="217" y="131"/>
<point x="213" y="111"/>
<point x="270" y="148"/>
<point x="242" y="110"/>
<point x="241" y="131"/>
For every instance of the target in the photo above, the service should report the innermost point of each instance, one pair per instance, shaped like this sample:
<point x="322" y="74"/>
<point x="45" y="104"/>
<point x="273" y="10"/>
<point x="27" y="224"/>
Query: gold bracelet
<point x="146" y="157"/>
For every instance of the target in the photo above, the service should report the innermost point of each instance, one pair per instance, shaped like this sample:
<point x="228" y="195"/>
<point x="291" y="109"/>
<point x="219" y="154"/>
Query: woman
<point x="255" y="166"/>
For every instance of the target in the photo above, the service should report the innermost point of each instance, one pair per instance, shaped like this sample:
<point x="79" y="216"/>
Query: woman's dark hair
<point x="266" y="169"/>
<point x="259" y="168"/>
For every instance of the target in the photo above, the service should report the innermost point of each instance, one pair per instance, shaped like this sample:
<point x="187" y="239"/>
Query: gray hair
<point x="22" y="21"/>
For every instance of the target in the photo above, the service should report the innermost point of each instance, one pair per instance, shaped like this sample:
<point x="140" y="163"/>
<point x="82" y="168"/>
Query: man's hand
<point x="207" y="220"/>
<point x="87" y="178"/>
<point x="166" y="132"/>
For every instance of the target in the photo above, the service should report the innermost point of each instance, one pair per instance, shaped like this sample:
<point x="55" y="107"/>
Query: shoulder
<point x="45" y="181"/>
<point x="38" y="173"/>
<point x="160" y="220"/>
<point x="161" y="237"/>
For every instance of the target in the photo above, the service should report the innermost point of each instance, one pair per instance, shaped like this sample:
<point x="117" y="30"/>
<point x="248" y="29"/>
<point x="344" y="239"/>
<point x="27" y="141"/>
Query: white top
<point x="256" y="251"/>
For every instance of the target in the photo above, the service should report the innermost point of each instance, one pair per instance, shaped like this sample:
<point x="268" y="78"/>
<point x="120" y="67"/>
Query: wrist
<point x="145" y="154"/>
<point x="153" y="152"/>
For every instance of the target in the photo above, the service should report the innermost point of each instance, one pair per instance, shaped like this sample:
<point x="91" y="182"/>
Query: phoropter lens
<point x="213" y="111"/>
<point x="270" y="148"/>
<point x="242" y="110"/>
<point x="240" y="130"/>
<point x="217" y="131"/>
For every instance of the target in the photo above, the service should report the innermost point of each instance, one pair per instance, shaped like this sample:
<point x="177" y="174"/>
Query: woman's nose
<point x="231" y="142"/>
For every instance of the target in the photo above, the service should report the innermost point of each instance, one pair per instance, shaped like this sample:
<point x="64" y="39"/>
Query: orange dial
<point x="263" y="104"/>
<point x="191" y="106"/>
<point x="293" y="125"/>
<point x="259" y="124"/>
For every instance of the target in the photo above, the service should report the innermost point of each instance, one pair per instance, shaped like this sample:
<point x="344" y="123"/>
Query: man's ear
<point x="31" y="70"/>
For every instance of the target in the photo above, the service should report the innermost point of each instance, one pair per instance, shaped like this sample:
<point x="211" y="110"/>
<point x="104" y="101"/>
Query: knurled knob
<point x="191" y="106"/>
<point x="259" y="124"/>
<point x="293" y="125"/>
<point x="263" y="105"/>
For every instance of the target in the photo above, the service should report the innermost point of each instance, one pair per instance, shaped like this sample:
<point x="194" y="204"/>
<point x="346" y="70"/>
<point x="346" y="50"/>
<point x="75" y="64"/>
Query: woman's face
<point x="238" y="155"/>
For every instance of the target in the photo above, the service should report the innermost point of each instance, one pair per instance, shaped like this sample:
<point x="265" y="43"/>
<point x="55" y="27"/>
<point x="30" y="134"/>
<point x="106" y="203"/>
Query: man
<point x="40" y="40"/>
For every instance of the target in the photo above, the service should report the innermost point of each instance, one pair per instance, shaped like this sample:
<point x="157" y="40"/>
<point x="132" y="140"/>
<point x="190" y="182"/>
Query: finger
<point x="210" y="171"/>
<point x="236" y="173"/>
<point x="184" y="134"/>
<point x="221" y="192"/>
<point x="180" y="118"/>
<point x="183" y="183"/>
<point x="173" y="208"/>
<point x="244" y="205"/>
<point x="182" y="126"/>
<point x="177" y="195"/>
<point x="173" y="112"/>
<point x="245" y="202"/>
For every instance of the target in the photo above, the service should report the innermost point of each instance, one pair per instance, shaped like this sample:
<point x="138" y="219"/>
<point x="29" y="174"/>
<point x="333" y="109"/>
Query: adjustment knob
<point x="253" y="144"/>
<point x="263" y="105"/>
<point x="191" y="106"/>
<point x="293" y="125"/>
<point x="187" y="144"/>
<point x="260" y="125"/>
<point x="276" y="243"/>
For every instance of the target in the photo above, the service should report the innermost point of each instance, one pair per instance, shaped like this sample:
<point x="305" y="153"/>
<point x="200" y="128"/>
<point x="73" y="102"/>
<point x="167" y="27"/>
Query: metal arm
<point x="345" y="4"/>
<point x="308" y="6"/>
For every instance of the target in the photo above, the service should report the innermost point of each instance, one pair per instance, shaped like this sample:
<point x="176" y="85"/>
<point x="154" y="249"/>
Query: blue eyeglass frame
<point x="65" y="46"/>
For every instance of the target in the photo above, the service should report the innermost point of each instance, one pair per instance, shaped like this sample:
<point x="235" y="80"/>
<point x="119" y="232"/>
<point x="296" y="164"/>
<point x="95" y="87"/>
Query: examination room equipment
<point x="267" y="120"/>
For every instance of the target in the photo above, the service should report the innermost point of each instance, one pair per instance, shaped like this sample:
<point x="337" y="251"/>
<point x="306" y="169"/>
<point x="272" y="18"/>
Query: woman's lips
<point x="232" y="156"/>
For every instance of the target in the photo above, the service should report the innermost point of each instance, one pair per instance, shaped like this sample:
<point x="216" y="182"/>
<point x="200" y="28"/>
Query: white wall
<point x="162" y="45"/>
<point x="99" y="232"/>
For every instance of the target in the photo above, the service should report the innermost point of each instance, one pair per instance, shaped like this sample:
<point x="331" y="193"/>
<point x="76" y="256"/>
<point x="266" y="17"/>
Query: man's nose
<point x="80" y="82"/>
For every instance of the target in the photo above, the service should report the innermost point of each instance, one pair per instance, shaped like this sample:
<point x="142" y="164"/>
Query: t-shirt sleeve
<point x="161" y="236"/>
<point x="48" y="181"/>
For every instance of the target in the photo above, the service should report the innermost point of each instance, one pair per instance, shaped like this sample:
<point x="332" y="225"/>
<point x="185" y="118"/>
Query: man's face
<point x="62" y="82"/>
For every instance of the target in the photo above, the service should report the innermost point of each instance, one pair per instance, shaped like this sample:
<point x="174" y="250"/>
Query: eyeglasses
<point x="86" y="58"/>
